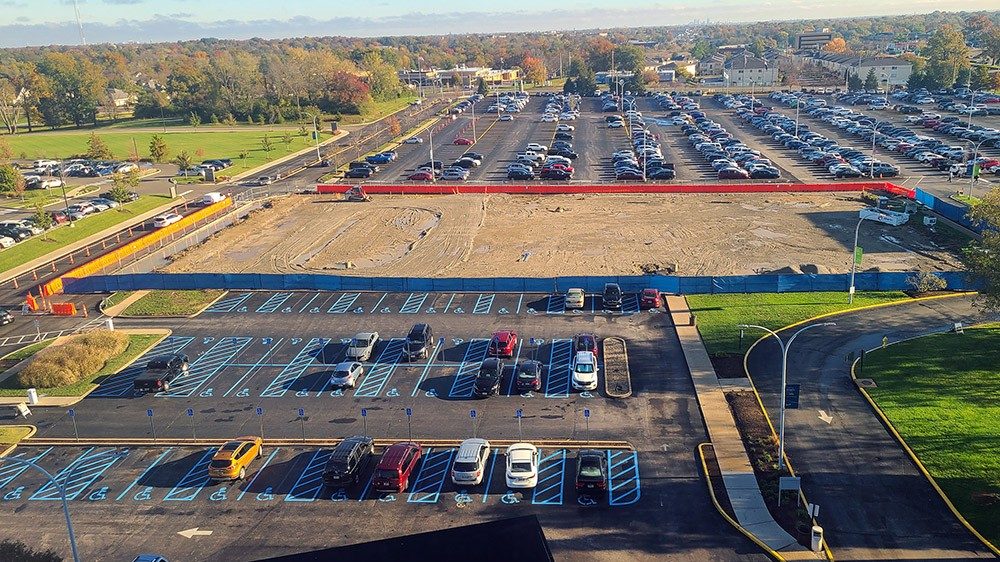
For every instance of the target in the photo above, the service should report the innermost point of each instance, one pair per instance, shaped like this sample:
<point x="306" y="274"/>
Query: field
<point x="171" y="303"/>
<point x="40" y="245"/>
<point x="200" y="144"/>
<point x="532" y="236"/>
<point x="940" y="394"/>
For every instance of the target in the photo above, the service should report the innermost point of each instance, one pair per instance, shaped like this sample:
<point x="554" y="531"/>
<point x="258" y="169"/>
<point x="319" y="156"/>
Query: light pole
<point x="62" y="185"/>
<point x="316" y="137"/>
<point x="798" y="104"/>
<point x="854" y="260"/>
<point x="430" y="139"/>
<point x="871" y="168"/>
<point x="751" y="95"/>
<point x="784" y="372"/>
<point x="975" y="154"/>
<point x="62" y="496"/>
<point x="474" y="139"/>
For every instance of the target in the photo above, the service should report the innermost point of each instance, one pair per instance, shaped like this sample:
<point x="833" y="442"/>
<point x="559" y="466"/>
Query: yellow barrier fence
<point x="115" y="256"/>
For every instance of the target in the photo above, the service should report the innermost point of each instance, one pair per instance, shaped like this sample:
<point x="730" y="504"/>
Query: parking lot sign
<point x="586" y="412"/>
<point x="149" y="412"/>
<point x="472" y="414"/>
<point x="364" y="412"/>
<point x="260" y="411"/>
<point x="519" y="413"/>
<point x="409" y="412"/>
<point x="72" y="413"/>
<point x="302" y="412"/>
<point x="190" y="412"/>
<point x="792" y="396"/>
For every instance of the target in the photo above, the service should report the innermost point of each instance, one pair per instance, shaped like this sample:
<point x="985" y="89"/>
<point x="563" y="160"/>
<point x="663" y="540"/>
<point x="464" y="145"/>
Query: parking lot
<point x="258" y="358"/>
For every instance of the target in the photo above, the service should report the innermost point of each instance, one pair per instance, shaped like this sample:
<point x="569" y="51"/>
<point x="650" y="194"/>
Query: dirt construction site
<point x="540" y="236"/>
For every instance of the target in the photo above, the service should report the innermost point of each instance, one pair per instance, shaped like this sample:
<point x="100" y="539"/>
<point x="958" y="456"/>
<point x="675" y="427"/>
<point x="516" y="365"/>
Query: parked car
<point x="5" y="317"/>
<point x="522" y="466"/>
<point x="470" y="462"/>
<point x="396" y="466"/>
<point x="502" y="343"/>
<point x="612" y="297"/>
<point x="650" y="298"/>
<point x="414" y="140"/>
<point x="161" y="372"/>
<point x="419" y="342"/>
<point x="575" y="299"/>
<point x="7" y="242"/>
<point x="346" y="374"/>
<point x="584" y="375"/>
<point x="528" y="376"/>
<point x="233" y="458"/>
<point x="361" y="346"/>
<point x="585" y="342"/>
<point x="348" y="460"/>
<point x="488" y="379"/>
<point x="421" y="175"/>
<point x="463" y="141"/>
<point x="591" y="472"/>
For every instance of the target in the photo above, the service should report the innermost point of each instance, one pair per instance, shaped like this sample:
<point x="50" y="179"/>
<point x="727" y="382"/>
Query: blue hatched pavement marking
<point x="249" y="485"/>
<point x="551" y="479"/>
<point x="294" y="370"/>
<point x="623" y="478"/>
<point x="555" y="304"/>
<point x="344" y="303"/>
<point x="253" y="368"/>
<point x="484" y="303"/>
<point x="413" y="303"/>
<point x="8" y="472"/>
<point x="148" y="469"/>
<point x="206" y="366"/>
<point x="82" y="472"/>
<point x="310" y="482"/>
<point x="309" y="302"/>
<point x="228" y="304"/>
<point x="379" y="373"/>
<point x="193" y="482"/>
<point x="630" y="304"/>
<point x="273" y="303"/>
<point x="431" y="476"/>
<point x="557" y="379"/>
<point x="465" y="377"/>
<point x="121" y="383"/>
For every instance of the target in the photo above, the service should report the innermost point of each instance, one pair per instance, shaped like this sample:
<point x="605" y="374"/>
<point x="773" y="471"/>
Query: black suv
<point x="160" y="372"/>
<point x="612" y="298"/>
<point x="591" y="472"/>
<point x="419" y="342"/>
<point x="488" y="379"/>
<point x="348" y="461"/>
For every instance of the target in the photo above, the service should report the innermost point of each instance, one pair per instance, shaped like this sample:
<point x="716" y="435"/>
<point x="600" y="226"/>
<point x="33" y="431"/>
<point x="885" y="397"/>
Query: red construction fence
<point x="571" y="188"/>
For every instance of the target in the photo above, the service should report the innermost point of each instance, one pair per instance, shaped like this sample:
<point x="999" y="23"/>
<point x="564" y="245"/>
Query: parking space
<point x="142" y="477"/>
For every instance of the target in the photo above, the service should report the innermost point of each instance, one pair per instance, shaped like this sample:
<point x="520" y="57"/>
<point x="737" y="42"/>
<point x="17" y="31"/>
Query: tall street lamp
<point x="975" y="154"/>
<point x="316" y="137"/>
<point x="854" y="260"/>
<point x="784" y="371"/>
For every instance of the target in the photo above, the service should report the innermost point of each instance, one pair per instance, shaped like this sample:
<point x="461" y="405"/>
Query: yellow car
<point x="233" y="457"/>
<point x="574" y="299"/>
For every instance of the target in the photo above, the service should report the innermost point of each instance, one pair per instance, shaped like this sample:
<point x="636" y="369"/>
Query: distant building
<point x="121" y="98"/>
<point x="813" y="40"/>
<point x="606" y="77"/>
<point x="419" y="77"/>
<point x="746" y="70"/>
<point x="464" y="76"/>
<point x="680" y="66"/>
<point x="640" y="43"/>
<point x="891" y="70"/>
<point x="712" y="64"/>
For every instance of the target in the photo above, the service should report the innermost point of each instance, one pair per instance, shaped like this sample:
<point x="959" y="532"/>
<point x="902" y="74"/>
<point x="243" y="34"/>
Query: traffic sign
<point x="260" y="411"/>
<point x="149" y="413"/>
<point x="586" y="412"/>
<point x="409" y="412"/>
<point x="792" y="396"/>
<point x="472" y="414"/>
<point x="72" y="413"/>
<point x="302" y="412"/>
<point x="364" y="412"/>
<point x="519" y="413"/>
<point x="190" y="412"/>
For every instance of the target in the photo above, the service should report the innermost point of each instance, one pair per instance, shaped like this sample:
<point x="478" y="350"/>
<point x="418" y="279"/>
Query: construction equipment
<point x="356" y="194"/>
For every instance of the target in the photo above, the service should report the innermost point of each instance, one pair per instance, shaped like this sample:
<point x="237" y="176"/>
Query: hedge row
<point x="77" y="359"/>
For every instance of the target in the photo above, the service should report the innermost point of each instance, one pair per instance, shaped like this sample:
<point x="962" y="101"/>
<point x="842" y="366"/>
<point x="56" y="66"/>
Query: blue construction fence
<point x="866" y="281"/>
<point x="954" y="212"/>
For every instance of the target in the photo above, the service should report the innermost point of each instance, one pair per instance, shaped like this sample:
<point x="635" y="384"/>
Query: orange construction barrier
<point x="32" y="303"/>
<point x="64" y="309"/>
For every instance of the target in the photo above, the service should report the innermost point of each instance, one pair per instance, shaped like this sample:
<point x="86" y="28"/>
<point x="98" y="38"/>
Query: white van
<point x="39" y="164"/>
<point x="212" y="198"/>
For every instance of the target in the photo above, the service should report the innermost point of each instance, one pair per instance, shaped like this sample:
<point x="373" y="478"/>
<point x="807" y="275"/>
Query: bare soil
<point x="534" y="236"/>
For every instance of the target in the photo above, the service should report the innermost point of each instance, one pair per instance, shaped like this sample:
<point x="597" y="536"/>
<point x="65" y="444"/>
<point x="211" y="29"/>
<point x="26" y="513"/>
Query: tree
<point x="77" y="87"/>
<point x="42" y="218"/>
<point x="963" y="77"/>
<point x="946" y="54"/>
<point x="982" y="258"/>
<point x="854" y="82"/>
<point x="871" y="81"/>
<point x="123" y="184"/>
<point x="395" y="128"/>
<point x="534" y="70"/>
<point x="157" y="148"/>
<point x="586" y="83"/>
<point x="916" y="81"/>
<point x="6" y="152"/>
<point x="481" y="88"/>
<point x="183" y="160"/>
<point x="576" y="68"/>
<point x="287" y="140"/>
<point x="649" y="77"/>
<point x="11" y="180"/>
<point x="16" y="550"/>
<point x="991" y="44"/>
<point x="265" y="144"/>
<point x="569" y="87"/>
<point x="836" y="45"/>
<point x="97" y="149"/>
<point x="980" y="78"/>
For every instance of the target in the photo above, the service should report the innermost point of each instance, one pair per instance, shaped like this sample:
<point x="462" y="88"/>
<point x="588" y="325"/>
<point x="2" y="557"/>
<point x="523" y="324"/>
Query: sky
<point x="46" y="22"/>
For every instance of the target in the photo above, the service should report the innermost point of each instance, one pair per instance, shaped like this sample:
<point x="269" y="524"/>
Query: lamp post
<point x="975" y="154"/>
<point x="784" y="372"/>
<point x="752" y="82"/>
<point x="316" y="137"/>
<point x="798" y="104"/>
<point x="871" y="167"/>
<point x="62" y="185"/>
<point x="854" y="260"/>
<point x="474" y="139"/>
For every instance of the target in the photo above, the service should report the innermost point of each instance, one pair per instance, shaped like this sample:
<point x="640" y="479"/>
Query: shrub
<point x="925" y="282"/>
<point x="17" y="550"/>
<point x="77" y="359"/>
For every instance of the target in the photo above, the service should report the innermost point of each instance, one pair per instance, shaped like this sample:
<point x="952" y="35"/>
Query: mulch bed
<point x="728" y="366"/>
<point x="762" y="447"/>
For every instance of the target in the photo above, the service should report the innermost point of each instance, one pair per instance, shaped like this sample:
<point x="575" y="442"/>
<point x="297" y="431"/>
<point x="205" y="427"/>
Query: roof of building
<point x="746" y="61"/>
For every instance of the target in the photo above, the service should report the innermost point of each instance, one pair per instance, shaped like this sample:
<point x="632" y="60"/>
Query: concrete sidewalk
<point x="737" y="472"/>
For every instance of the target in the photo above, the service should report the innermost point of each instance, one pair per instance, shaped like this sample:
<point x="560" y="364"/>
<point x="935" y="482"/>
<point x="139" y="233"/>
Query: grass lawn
<point x="378" y="110"/>
<point x="116" y="298"/>
<point x="172" y="303"/>
<point x="36" y="246"/>
<point x="969" y="200"/>
<point x="940" y="392"/>
<point x="718" y="315"/>
<point x="27" y="351"/>
<point x="137" y="345"/>
<point x="200" y="143"/>
<point x="12" y="435"/>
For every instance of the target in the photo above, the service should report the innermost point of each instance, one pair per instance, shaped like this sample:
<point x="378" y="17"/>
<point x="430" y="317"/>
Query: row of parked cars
<point x="509" y="104"/>
<point x="79" y="167"/>
<point x="958" y="127"/>
<point x="644" y="160"/>
<point x="979" y="103"/>
<point x="206" y="166"/>
<point x="352" y="458"/>
<point x="13" y="231"/>
<point x="559" y="107"/>
<point x="538" y="161"/>
<point x="729" y="157"/>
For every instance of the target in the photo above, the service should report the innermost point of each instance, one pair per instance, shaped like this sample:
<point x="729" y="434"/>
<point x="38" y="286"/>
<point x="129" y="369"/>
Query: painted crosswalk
<point x="623" y="478"/>
<point x="380" y="372"/>
<point x="273" y="303"/>
<point x="465" y="378"/>
<point x="206" y="366"/>
<point x="192" y="483"/>
<point x="80" y="474"/>
<point x="557" y="380"/>
<point x="281" y="383"/>
<point x="413" y="303"/>
<point x="551" y="479"/>
<point x="229" y="304"/>
<point x="310" y="482"/>
<point x="426" y="488"/>
<point x="121" y="384"/>
<point x="343" y="303"/>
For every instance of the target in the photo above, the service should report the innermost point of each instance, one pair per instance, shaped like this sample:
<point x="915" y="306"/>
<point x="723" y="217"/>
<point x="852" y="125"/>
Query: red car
<point x="585" y="342"/>
<point x="560" y="166"/>
<point x="650" y="299"/>
<point x="463" y="141"/>
<point x="396" y="466"/>
<point x="59" y="217"/>
<point x="502" y="343"/>
<point x="420" y="176"/>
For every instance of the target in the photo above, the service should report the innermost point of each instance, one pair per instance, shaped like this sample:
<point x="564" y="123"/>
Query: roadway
<point x="875" y="504"/>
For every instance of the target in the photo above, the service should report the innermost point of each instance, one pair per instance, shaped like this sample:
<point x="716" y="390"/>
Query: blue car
<point x="381" y="158"/>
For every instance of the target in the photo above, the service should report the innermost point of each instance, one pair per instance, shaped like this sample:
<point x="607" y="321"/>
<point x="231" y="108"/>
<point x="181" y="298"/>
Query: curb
<point x="628" y="377"/>
<point x="913" y="457"/>
<point x="206" y="307"/>
<point x="715" y="501"/>
<point x="283" y="442"/>
<point x="31" y="431"/>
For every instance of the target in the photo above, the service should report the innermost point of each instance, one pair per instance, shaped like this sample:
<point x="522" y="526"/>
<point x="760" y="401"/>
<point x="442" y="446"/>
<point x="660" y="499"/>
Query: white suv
<point x="584" y="371"/>
<point x="470" y="462"/>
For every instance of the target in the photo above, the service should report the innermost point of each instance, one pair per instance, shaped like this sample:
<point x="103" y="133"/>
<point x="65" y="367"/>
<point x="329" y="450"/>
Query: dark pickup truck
<point x="160" y="372"/>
